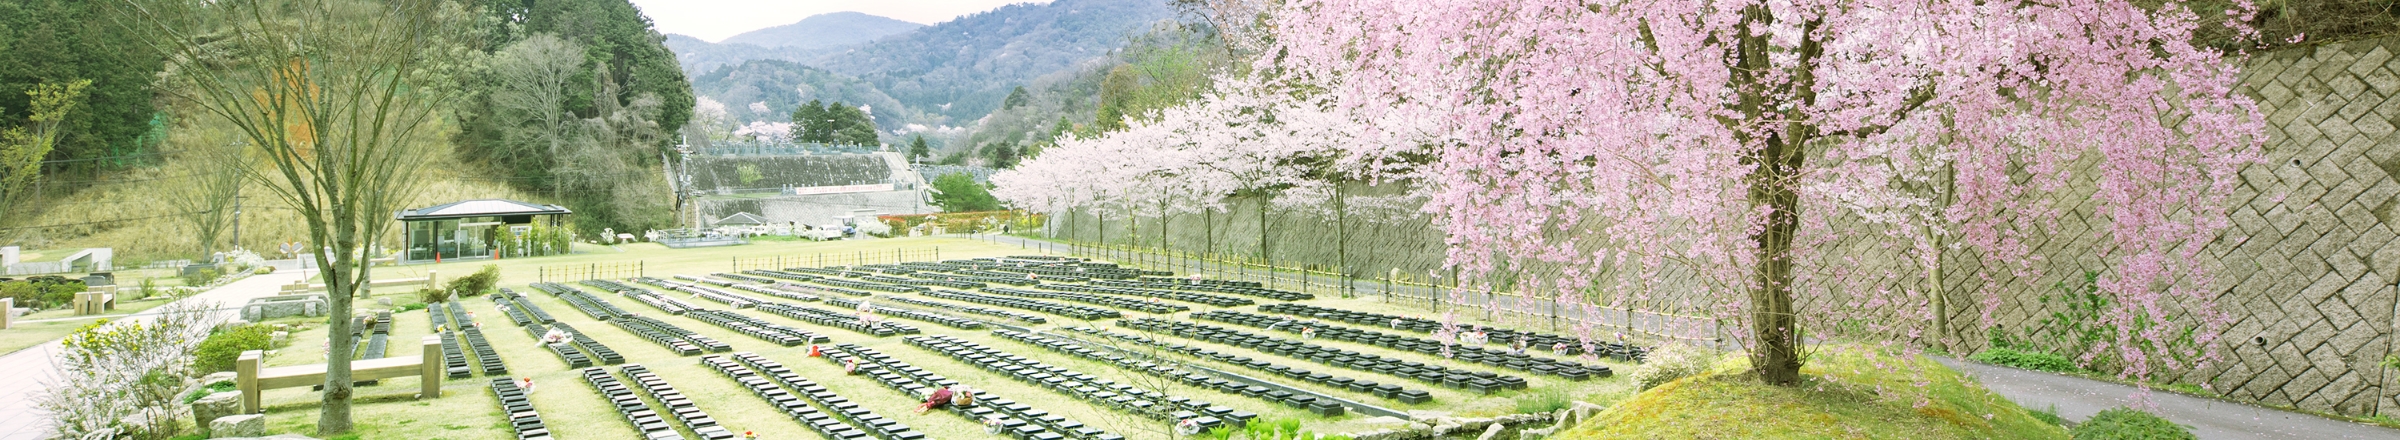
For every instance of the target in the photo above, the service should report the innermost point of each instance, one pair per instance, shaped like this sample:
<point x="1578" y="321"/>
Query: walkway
<point x="2076" y="398"/>
<point x="2079" y="398"/>
<point x="31" y="370"/>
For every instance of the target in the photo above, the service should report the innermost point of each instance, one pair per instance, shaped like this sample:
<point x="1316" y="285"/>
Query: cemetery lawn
<point x="660" y="261"/>
<point x="1849" y="393"/>
<point x="21" y="335"/>
<point x="572" y="409"/>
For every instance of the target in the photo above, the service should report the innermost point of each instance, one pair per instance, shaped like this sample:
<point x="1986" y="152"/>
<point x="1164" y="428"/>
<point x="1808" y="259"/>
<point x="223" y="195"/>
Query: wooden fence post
<point x="429" y="368"/>
<point x="245" y="369"/>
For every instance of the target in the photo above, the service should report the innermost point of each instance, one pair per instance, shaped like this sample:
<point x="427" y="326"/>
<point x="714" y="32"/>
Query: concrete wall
<point x="2307" y="270"/>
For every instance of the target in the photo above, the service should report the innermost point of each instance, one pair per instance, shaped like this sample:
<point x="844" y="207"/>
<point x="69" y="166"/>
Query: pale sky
<point x="714" y="20"/>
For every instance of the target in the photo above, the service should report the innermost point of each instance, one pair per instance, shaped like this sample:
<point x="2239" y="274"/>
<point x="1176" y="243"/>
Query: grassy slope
<point x="91" y="207"/>
<point x="1848" y="394"/>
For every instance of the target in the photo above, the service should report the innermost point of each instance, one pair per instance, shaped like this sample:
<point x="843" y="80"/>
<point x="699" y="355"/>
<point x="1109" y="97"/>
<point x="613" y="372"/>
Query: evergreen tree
<point x="955" y="192"/>
<point x="917" y="148"/>
<point x="1016" y="98"/>
<point x="1001" y="155"/>
<point x="1116" y="92"/>
<point x="61" y="41"/>
<point x="810" y="125"/>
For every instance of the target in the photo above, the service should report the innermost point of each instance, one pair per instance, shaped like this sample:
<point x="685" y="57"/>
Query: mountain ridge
<point x="826" y="30"/>
<point x="952" y="73"/>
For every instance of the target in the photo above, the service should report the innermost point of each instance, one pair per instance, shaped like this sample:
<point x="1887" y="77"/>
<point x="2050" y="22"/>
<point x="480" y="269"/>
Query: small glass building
<point x="467" y="229"/>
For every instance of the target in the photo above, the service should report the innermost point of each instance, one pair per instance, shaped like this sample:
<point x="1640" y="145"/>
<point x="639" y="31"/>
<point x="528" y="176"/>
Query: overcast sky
<point x="714" y="20"/>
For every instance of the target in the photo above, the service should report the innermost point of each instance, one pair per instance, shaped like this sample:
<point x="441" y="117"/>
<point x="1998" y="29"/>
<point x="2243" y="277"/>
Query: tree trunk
<point x="1776" y="356"/>
<point x="339" y="291"/>
<point x="1341" y="243"/>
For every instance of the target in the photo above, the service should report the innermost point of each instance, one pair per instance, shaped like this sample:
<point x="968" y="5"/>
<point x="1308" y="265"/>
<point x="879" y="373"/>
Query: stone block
<point x="261" y="309"/>
<point x="244" y="425"/>
<point x="215" y="406"/>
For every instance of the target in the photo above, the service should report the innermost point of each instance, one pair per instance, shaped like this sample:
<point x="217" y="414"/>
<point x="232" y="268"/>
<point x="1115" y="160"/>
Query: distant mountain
<point x="963" y="68"/>
<point x="781" y="86"/>
<point x="700" y="56"/>
<point x="825" y="31"/>
<point x="948" y="74"/>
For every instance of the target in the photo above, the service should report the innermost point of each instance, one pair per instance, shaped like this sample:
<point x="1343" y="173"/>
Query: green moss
<point x="2129" y="424"/>
<point x="1847" y="393"/>
<point x="2030" y="360"/>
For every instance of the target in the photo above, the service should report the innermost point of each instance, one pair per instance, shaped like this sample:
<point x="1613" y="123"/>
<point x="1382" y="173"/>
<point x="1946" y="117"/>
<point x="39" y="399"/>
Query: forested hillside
<point x="963" y="68"/>
<point x="566" y="101"/>
<point x="768" y="90"/>
<point x="59" y="41"/>
<point x="939" y="81"/>
<point x="582" y="102"/>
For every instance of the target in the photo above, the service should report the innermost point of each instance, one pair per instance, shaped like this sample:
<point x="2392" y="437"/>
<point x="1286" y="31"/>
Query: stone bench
<point x="252" y="379"/>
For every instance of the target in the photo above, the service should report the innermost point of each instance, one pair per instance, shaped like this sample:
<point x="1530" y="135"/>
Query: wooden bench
<point x="253" y="380"/>
<point x="428" y="282"/>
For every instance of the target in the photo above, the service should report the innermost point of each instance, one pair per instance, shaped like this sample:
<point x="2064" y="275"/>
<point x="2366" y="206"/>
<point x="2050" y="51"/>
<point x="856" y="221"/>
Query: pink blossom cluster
<point x="1250" y="137"/>
<point x="763" y="131"/>
<point x="1638" y="148"/>
<point x="1625" y="142"/>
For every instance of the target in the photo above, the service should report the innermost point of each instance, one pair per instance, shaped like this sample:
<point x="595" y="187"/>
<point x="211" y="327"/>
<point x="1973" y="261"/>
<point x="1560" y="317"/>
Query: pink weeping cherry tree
<point x="1248" y="137"/>
<point x="1722" y="142"/>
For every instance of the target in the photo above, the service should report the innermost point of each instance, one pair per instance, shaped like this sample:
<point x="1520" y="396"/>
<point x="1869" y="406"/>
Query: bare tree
<point x="214" y="160"/>
<point x="338" y="97"/>
<point x="534" y="76"/>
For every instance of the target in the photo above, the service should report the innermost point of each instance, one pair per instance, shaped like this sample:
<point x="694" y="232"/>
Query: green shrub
<point x="42" y="292"/>
<point x="202" y="277"/>
<point x="2127" y="423"/>
<point x="1673" y="361"/>
<point x="2049" y="415"/>
<point x="410" y="307"/>
<point x="218" y="352"/>
<point x="433" y="295"/>
<point x="1542" y="401"/>
<point x="477" y="283"/>
<point x="2030" y="360"/>
<point x="204" y="391"/>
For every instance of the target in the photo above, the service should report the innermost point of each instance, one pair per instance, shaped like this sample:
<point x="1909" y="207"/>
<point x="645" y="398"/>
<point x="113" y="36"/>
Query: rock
<point x="1537" y="434"/>
<point x="386" y="302"/>
<point x="243" y="425"/>
<point x="216" y="406"/>
<point x="1492" y="432"/>
<point x="279" y="339"/>
<point x="1384" y="420"/>
<point x="221" y="376"/>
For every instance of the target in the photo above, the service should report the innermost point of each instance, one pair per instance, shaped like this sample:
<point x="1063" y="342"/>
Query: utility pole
<point x="237" y="218"/>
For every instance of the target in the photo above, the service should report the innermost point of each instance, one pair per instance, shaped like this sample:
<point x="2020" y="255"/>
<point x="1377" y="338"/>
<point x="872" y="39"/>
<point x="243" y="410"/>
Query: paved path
<point x="2079" y="398"/>
<point x="2076" y="398"/>
<point x="30" y="371"/>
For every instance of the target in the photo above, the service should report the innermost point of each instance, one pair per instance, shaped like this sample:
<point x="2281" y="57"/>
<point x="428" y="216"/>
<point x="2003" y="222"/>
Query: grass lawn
<point x="21" y="335"/>
<point x="572" y="409"/>
<point x="1848" y="393"/>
